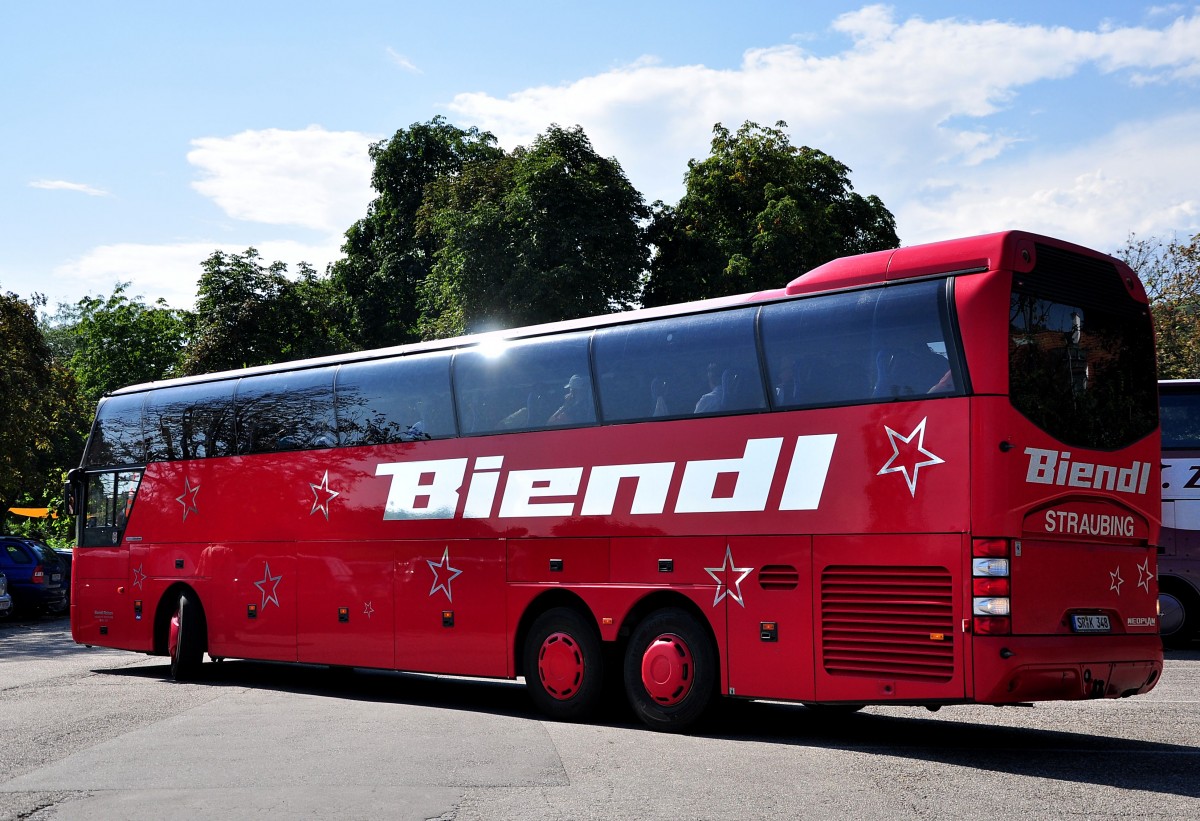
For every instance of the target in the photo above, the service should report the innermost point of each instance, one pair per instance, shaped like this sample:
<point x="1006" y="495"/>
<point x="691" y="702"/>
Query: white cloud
<point x="63" y="185"/>
<point x="172" y="271"/>
<point x="312" y="178"/>
<point x="403" y="62"/>
<point x="1140" y="178"/>
<point x="905" y="104"/>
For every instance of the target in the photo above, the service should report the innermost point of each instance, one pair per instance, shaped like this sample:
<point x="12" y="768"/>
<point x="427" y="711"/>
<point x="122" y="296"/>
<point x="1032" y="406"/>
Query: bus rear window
<point x="1081" y="353"/>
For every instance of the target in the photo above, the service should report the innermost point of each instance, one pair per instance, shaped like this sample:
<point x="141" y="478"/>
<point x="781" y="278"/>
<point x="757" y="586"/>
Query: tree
<point x="386" y="259"/>
<point x="41" y="418"/>
<point x="117" y="341"/>
<point x="248" y="313"/>
<point x="1170" y="271"/>
<point x="757" y="213"/>
<point x="549" y="232"/>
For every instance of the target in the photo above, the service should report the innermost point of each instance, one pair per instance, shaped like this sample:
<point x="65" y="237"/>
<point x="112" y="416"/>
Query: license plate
<point x="56" y="577"/>
<point x="1090" y="624"/>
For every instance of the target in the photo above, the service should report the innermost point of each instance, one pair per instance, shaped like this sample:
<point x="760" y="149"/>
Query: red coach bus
<point x="1179" y="566"/>
<point x="922" y="476"/>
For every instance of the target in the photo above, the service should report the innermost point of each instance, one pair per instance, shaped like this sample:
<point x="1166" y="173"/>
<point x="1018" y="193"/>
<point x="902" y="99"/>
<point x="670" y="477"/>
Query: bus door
<point x="770" y="625"/>
<point x="102" y="572"/>
<point x="888" y="610"/>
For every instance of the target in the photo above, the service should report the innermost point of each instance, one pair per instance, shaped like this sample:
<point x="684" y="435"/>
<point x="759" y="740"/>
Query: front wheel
<point x="670" y="670"/>
<point x="564" y="664"/>
<point x="187" y="637"/>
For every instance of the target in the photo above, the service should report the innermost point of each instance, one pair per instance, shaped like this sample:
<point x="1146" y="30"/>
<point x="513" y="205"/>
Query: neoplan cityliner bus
<point x="922" y="476"/>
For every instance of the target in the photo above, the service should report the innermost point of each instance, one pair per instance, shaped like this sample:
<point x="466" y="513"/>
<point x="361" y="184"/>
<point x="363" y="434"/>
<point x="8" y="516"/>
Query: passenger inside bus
<point x="577" y="403"/>
<point x="911" y="370"/>
<point x="713" y="400"/>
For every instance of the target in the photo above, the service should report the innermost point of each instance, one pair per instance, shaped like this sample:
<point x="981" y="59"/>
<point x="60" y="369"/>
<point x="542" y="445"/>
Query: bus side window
<point x="401" y="399"/>
<point x="682" y="366"/>
<point x="285" y="411"/>
<point x="525" y="385"/>
<point x="190" y="422"/>
<point x="117" y="437"/>
<point x="110" y="500"/>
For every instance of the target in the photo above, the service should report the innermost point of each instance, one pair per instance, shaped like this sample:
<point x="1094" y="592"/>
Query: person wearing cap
<point x="576" y="406"/>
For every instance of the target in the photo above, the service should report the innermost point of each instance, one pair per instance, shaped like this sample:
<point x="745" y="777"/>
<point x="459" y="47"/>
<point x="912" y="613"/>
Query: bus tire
<point x="1180" y="612"/>
<point x="564" y="664"/>
<point x="670" y="670"/>
<point x="186" y="638"/>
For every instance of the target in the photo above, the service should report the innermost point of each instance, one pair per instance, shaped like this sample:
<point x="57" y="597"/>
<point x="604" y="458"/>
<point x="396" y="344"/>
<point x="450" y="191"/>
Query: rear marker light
<point x="989" y="587"/>
<point x="992" y="626"/>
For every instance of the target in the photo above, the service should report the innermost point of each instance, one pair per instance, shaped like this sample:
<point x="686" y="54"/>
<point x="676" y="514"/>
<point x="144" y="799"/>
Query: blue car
<point x="37" y="577"/>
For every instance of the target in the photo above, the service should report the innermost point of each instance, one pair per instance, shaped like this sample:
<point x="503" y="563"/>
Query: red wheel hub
<point x="560" y="666"/>
<point x="667" y="669"/>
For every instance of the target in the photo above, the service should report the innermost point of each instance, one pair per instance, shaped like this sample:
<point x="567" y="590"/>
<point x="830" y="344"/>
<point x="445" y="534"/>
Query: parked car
<point x="36" y="576"/>
<point x="5" y="599"/>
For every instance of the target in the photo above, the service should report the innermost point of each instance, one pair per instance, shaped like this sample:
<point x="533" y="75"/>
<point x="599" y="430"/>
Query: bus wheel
<point x="670" y="670"/>
<point x="1179" y="618"/>
<point x="186" y="638"/>
<point x="564" y="664"/>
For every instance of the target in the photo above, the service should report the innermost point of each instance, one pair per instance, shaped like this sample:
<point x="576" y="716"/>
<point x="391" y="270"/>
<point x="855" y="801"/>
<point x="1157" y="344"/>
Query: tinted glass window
<point x="1180" y="410"/>
<point x="17" y="554"/>
<point x="874" y="345"/>
<point x="190" y="422"/>
<point x="285" y="411"/>
<point x="117" y="435"/>
<point x="394" y="400"/>
<point x="525" y="385"/>
<point x="678" y="367"/>
<point x="109" y="502"/>
<point x="1081" y="353"/>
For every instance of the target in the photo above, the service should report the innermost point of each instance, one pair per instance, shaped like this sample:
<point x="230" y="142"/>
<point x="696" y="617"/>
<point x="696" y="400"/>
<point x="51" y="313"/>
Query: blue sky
<point x="139" y="137"/>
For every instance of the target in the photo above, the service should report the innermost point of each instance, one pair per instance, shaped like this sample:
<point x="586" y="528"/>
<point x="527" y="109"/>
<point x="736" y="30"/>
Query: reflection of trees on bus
<point x="1067" y="362"/>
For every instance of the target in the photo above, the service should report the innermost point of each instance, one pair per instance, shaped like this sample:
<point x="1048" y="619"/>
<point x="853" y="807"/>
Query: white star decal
<point x="440" y="568"/>
<point x="322" y="496"/>
<point x="273" y="581"/>
<point x="188" y="498"/>
<point x="1117" y="581"/>
<point x="139" y="577"/>
<point x="723" y="587"/>
<point x="368" y="610"/>
<point x="895" y="439"/>
<point x="1144" y="575"/>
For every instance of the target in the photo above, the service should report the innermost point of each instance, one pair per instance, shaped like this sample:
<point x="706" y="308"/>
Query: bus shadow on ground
<point x="1076" y="757"/>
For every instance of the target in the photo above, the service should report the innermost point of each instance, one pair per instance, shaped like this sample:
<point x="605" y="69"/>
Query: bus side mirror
<point x="71" y="491"/>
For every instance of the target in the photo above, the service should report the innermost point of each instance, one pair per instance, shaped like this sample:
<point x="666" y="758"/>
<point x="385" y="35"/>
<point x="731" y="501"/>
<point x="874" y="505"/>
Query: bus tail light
<point x="991" y="587"/>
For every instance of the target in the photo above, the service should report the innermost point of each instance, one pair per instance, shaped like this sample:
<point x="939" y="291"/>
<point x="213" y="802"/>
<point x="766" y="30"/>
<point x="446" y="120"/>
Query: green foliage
<point x="386" y="257"/>
<point x="549" y="232"/>
<point x="1171" y="273"/>
<point x="757" y="213"/>
<point x="248" y="313"/>
<point x="117" y="341"/>
<point x="41" y="417"/>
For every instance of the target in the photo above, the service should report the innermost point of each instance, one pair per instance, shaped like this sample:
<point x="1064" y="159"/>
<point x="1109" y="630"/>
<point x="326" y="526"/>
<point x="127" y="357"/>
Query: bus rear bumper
<point x="1011" y="669"/>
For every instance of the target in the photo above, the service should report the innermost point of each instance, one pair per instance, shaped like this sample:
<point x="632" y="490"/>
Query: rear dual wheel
<point x="670" y="670"/>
